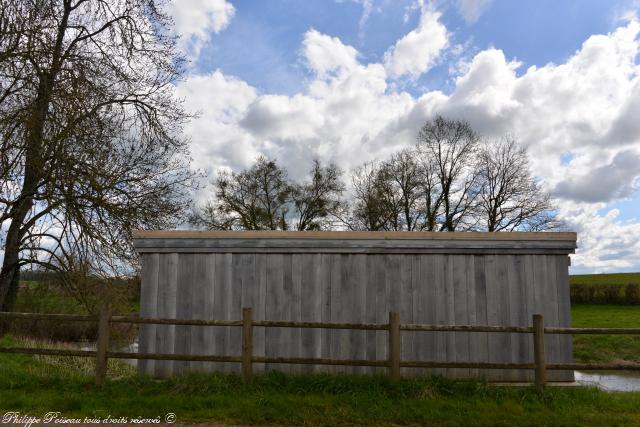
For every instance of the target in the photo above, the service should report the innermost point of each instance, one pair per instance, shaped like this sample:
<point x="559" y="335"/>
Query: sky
<point x="347" y="81"/>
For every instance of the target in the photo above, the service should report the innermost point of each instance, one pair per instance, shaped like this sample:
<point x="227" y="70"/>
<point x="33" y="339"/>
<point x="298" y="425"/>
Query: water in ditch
<point x="610" y="381"/>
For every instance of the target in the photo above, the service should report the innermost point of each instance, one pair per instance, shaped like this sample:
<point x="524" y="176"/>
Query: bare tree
<point x="370" y="209"/>
<point x="431" y="192"/>
<point x="263" y="198"/>
<point x="317" y="203"/>
<point x="402" y="184"/>
<point x="510" y="198"/>
<point x="254" y="199"/>
<point x="89" y="126"/>
<point x="450" y="147"/>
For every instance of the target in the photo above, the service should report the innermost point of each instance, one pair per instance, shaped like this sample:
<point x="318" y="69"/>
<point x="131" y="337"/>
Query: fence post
<point x="394" y="345"/>
<point x="102" y="345"/>
<point x="247" y="343"/>
<point x="538" y="351"/>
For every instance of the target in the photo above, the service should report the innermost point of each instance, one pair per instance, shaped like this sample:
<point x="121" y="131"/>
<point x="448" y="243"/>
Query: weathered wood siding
<point x="457" y="281"/>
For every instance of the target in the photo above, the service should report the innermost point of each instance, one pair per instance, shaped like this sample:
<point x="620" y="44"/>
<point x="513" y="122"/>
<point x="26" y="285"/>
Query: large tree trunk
<point x="33" y="166"/>
<point x="10" y="264"/>
<point x="10" y="301"/>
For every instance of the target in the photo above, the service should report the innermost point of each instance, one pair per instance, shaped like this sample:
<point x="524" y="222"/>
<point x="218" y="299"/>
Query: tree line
<point x="451" y="180"/>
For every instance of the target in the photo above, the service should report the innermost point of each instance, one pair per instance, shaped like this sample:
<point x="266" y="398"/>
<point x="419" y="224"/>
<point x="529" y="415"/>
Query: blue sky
<point x="262" y="42"/>
<point x="350" y="81"/>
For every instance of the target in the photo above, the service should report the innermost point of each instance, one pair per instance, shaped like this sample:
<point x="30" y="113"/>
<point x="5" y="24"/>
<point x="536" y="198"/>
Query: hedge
<point x="582" y="293"/>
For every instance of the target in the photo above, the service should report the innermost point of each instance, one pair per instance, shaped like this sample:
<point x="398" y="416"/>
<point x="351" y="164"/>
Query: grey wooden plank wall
<point x="496" y="289"/>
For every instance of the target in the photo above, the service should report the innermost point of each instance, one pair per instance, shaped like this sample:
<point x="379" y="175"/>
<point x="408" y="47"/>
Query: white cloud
<point x="472" y="9"/>
<point x="367" y="8"/>
<point x="605" y="244"/>
<point x="325" y="54"/>
<point x="195" y="20"/>
<point x="217" y="140"/>
<point x="417" y="51"/>
<point x="351" y="112"/>
<point x="616" y="179"/>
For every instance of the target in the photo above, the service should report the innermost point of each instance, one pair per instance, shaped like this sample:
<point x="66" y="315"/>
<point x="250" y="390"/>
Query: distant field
<point x="605" y="279"/>
<point x="606" y="348"/>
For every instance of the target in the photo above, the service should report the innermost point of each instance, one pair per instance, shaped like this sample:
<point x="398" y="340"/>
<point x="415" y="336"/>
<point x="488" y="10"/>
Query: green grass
<point x="605" y="279"/>
<point x="39" y="384"/>
<point x="33" y="386"/>
<point x="606" y="348"/>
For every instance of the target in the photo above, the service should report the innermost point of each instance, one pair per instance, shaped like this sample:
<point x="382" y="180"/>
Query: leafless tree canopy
<point x="370" y="210"/>
<point x="450" y="148"/>
<point x="318" y="202"/>
<point x="263" y="198"/>
<point x="451" y="180"/>
<point x="89" y="130"/>
<point x="388" y="195"/>
<point x="510" y="199"/>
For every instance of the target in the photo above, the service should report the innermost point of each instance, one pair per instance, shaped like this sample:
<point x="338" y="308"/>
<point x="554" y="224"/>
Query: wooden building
<point x="429" y="278"/>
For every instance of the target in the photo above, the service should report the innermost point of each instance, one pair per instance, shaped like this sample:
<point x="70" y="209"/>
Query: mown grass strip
<point x="37" y="385"/>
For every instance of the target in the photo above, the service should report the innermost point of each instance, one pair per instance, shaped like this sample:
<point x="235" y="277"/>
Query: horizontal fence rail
<point x="247" y="358"/>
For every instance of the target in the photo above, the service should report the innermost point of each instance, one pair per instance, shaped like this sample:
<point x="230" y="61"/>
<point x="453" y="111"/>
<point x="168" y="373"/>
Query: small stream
<point x="610" y="380"/>
<point x="130" y="348"/>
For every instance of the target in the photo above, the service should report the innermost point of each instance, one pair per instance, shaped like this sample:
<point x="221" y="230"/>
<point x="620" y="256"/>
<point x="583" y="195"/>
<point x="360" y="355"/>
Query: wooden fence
<point x="393" y="362"/>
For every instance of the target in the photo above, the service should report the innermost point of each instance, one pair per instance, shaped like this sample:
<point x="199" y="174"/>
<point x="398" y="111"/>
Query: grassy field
<point x="605" y="279"/>
<point x="36" y="386"/>
<point x="39" y="384"/>
<point x="606" y="348"/>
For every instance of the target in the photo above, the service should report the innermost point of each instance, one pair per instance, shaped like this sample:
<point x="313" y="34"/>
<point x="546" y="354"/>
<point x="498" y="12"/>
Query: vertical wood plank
<point x="494" y="308"/>
<point x="209" y="311"/>
<point x="259" y="310"/>
<point x="295" y="299"/>
<point x="286" y="346"/>
<point x="440" y="270"/>
<point x="370" y="314"/>
<point x="564" y="315"/>
<point x="550" y="312"/>
<point x="165" y="334"/>
<point x="198" y="302"/>
<point x="393" y="288"/>
<point x="184" y="309"/>
<point x="325" y="334"/>
<point x="311" y="307"/>
<point x="381" y="308"/>
<point x="275" y="307"/>
<point x="234" y="265"/>
<point x="357" y="282"/>
<point x="336" y="287"/>
<point x="504" y="339"/>
<point x="221" y="306"/>
<point x="471" y="310"/>
<point x="426" y="312"/>
<point x="148" y="308"/>
<point x="517" y="315"/>
<point x="344" y="304"/>
<point x="514" y="305"/>
<point x="530" y="292"/>
<point x="250" y="286"/>
<point x="459" y="301"/>
<point x="410" y="275"/>
<point x="539" y="351"/>
<point x="480" y="339"/>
